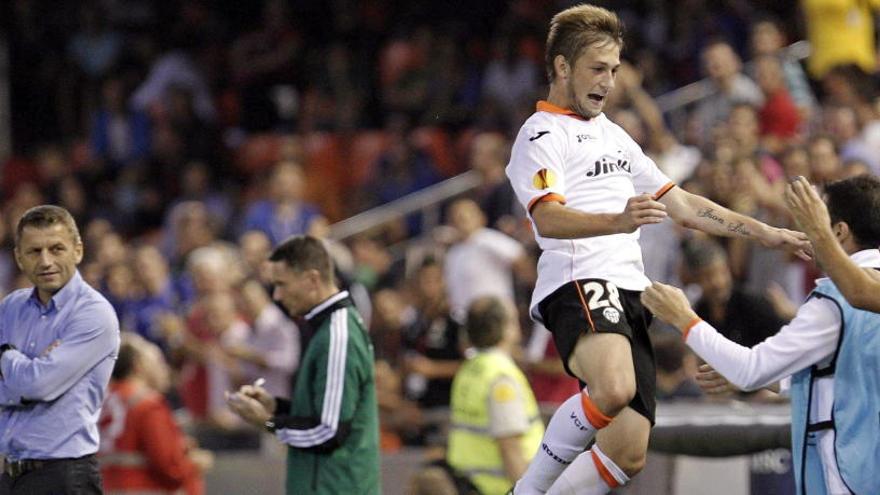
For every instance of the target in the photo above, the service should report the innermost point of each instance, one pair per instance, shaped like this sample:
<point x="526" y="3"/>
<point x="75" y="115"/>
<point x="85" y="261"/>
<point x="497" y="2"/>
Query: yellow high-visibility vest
<point x="472" y="451"/>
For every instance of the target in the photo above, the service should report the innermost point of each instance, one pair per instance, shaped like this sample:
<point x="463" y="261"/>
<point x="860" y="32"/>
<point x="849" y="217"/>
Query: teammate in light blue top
<point x="830" y="351"/>
<point x="58" y="343"/>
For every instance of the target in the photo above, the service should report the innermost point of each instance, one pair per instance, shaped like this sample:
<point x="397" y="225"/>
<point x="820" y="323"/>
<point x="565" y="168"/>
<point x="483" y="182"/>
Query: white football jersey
<point x="592" y="166"/>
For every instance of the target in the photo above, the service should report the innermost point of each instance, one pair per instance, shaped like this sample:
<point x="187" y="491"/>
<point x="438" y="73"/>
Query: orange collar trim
<point x="546" y="106"/>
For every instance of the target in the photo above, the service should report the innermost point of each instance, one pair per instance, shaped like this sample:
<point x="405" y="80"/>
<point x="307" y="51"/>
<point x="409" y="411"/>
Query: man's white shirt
<point x="481" y="265"/>
<point x="588" y="165"/>
<point x="810" y="338"/>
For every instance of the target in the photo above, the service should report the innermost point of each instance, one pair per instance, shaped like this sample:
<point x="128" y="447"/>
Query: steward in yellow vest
<point x="496" y="427"/>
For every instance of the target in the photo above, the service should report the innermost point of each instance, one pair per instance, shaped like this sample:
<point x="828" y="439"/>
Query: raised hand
<point x="640" y="210"/>
<point x="807" y="208"/>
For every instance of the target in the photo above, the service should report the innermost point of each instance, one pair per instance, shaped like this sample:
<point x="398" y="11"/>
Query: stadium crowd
<point x="188" y="138"/>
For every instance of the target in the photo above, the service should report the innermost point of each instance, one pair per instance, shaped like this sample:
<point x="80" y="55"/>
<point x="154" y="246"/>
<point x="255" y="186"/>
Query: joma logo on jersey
<point x="608" y="164"/>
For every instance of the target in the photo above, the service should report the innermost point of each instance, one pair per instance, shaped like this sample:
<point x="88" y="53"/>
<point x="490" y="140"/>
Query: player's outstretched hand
<point x="807" y="208"/>
<point x="712" y="382"/>
<point x="669" y="304"/>
<point x="789" y="240"/>
<point x="640" y="210"/>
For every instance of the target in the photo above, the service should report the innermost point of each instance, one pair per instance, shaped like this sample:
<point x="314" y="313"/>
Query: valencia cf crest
<point x="611" y="315"/>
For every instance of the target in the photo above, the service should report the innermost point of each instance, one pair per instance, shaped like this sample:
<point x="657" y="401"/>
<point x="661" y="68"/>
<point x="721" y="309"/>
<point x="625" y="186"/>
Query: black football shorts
<point x="595" y="305"/>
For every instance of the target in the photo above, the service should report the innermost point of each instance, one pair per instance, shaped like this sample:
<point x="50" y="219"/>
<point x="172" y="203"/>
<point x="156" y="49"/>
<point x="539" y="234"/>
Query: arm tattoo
<point x="735" y="228"/>
<point x="710" y="214"/>
<point x="738" y="228"/>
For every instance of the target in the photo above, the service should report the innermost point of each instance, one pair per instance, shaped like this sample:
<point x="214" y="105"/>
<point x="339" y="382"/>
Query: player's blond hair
<point x="576" y="28"/>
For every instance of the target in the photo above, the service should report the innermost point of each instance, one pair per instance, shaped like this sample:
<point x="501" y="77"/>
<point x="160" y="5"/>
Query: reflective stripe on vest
<point x="472" y="450"/>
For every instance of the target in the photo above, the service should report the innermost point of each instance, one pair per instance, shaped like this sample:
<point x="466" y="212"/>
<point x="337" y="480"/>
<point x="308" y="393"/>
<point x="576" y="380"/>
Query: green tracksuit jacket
<point x="332" y="421"/>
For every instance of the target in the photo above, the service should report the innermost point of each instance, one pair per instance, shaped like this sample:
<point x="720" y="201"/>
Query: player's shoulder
<point x="539" y="125"/>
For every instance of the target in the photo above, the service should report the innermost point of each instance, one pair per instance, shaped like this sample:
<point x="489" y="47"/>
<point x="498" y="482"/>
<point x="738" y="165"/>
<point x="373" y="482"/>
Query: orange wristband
<point x="687" y="329"/>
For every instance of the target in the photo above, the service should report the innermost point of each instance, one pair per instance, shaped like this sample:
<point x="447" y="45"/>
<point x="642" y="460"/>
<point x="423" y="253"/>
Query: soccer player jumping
<point x="588" y="187"/>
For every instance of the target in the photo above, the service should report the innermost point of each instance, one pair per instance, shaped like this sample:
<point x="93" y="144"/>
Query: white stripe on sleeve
<point x="333" y="389"/>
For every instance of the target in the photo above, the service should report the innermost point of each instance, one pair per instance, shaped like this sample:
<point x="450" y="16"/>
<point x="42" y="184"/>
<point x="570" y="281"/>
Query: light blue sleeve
<point x="91" y="336"/>
<point x="8" y="399"/>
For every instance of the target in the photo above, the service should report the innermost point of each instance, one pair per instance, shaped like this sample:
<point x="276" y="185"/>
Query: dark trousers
<point x="80" y="476"/>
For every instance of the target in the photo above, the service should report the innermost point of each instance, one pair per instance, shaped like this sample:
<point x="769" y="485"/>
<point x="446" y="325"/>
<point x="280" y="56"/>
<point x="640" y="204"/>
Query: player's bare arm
<point x="859" y="286"/>
<point x="697" y="212"/>
<point x="555" y="220"/>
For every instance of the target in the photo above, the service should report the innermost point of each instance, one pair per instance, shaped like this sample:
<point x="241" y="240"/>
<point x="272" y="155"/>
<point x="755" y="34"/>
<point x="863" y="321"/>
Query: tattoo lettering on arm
<point x="739" y="228"/>
<point x="710" y="214"/>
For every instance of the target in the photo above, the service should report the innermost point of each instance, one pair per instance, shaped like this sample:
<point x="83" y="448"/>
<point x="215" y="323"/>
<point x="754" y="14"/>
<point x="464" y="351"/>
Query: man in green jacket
<point x="331" y="423"/>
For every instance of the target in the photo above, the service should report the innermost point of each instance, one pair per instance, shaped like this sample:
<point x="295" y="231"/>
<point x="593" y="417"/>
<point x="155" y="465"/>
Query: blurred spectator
<point x="401" y="421"/>
<point x="196" y="342"/>
<point x="840" y="32"/>
<point x="432" y="351"/>
<point x="157" y="296"/>
<point x="850" y="86"/>
<point x="842" y="124"/>
<point x="676" y="368"/>
<point x="181" y="117"/>
<point x="94" y="48"/>
<point x="482" y="262"/>
<point x="119" y="135"/>
<point x="779" y="117"/>
<point x="796" y="161"/>
<point x="8" y="269"/>
<point x="825" y="164"/>
<point x="198" y="183"/>
<point x="283" y="213"/>
<point x="731" y="86"/>
<point x="189" y="227"/>
<point x="489" y="154"/>
<point x="272" y="348"/>
<point x="254" y="246"/>
<point x="224" y="368"/>
<point x="511" y="79"/>
<point x="70" y="194"/>
<point x="119" y="288"/>
<point x="142" y="448"/>
<point x="767" y="39"/>
<point x="175" y="68"/>
<point x="745" y="318"/>
<point x="336" y="98"/>
<point x="404" y="75"/>
<point x="402" y="169"/>
<point x="263" y="69"/>
<point x="92" y="51"/>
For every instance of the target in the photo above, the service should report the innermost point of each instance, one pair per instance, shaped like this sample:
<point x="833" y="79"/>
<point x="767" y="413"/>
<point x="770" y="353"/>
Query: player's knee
<point x="633" y="462"/>
<point x="611" y="397"/>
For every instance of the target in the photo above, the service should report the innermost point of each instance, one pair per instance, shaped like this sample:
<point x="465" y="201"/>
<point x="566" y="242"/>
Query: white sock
<point x="583" y="477"/>
<point x="567" y="435"/>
